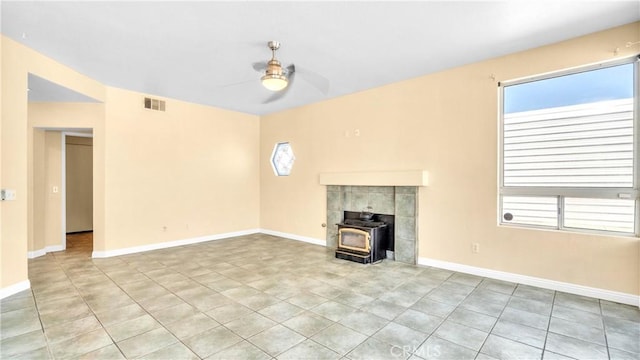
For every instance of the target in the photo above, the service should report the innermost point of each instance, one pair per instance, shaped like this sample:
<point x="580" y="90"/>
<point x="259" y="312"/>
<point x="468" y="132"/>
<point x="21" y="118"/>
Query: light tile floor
<point x="263" y="297"/>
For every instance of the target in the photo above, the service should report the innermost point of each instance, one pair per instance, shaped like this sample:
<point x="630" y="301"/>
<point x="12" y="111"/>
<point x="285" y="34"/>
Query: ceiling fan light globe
<point x="274" y="82"/>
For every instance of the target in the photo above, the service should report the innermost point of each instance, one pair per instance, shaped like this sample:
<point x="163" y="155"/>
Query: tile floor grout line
<point x="498" y="319"/>
<point x="377" y="331"/>
<point x="96" y="316"/>
<point x="604" y="329"/>
<point x="448" y="315"/>
<point x="35" y="302"/>
<point x="115" y="343"/>
<point x="546" y="335"/>
<point x="88" y="306"/>
<point x="220" y="324"/>
<point x="151" y="315"/>
<point x="59" y="263"/>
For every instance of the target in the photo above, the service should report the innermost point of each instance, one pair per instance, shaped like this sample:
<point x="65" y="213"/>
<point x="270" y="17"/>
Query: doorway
<point x="55" y="113"/>
<point x="78" y="191"/>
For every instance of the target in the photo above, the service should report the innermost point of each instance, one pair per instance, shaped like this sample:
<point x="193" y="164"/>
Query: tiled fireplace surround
<point x="401" y="201"/>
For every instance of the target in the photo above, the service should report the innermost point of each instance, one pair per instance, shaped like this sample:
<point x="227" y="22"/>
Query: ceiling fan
<point x="280" y="80"/>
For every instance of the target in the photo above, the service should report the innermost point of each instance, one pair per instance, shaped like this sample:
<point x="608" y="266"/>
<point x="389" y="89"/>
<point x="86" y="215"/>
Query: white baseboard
<point x="164" y="245"/>
<point x="54" y="248"/>
<point x="41" y="252"/>
<point x="35" y="254"/>
<point x="294" y="237"/>
<point x="14" y="289"/>
<point x="614" y="296"/>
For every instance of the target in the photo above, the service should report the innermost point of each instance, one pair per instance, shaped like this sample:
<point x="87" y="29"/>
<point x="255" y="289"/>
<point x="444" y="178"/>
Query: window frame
<point x="574" y="192"/>
<point x="274" y="153"/>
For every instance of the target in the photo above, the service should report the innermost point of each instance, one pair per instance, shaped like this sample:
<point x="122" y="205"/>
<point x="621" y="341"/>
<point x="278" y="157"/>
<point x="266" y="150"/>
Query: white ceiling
<point x="41" y="89"/>
<point x="202" y="52"/>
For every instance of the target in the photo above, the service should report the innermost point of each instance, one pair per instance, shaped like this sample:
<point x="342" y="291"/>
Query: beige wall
<point x="17" y="62"/>
<point x="37" y="180"/>
<point x="188" y="172"/>
<point x="79" y="183"/>
<point x="445" y="123"/>
<point x="44" y="216"/>
<point x="44" y="220"/>
<point x="13" y="224"/>
<point x="193" y="169"/>
<point x="53" y="199"/>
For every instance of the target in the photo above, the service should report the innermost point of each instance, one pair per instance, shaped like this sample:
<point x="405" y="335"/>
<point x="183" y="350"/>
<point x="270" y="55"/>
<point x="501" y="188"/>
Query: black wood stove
<point x="364" y="240"/>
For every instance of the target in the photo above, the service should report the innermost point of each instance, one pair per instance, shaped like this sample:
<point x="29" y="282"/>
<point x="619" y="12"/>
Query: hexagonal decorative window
<point x="282" y="159"/>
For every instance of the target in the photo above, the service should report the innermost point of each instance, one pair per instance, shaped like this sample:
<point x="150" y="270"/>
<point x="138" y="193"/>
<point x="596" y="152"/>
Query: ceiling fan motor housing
<point x="274" y="68"/>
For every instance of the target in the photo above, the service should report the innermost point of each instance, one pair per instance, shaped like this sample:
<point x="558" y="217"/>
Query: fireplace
<point x="364" y="240"/>
<point x="399" y="201"/>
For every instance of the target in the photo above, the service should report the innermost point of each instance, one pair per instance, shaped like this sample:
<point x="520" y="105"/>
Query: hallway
<point x="78" y="243"/>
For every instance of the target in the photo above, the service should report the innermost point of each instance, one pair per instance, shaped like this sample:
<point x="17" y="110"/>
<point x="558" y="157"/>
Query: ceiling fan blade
<point x="259" y="66"/>
<point x="290" y="69"/>
<point x="318" y="81"/>
<point x="291" y="75"/>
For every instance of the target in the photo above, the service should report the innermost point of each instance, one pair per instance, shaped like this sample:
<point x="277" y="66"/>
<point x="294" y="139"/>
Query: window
<point x="568" y="150"/>
<point x="282" y="159"/>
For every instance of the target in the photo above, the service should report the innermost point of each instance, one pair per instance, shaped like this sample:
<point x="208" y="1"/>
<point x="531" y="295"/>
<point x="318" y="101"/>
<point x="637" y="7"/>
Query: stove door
<point x="354" y="239"/>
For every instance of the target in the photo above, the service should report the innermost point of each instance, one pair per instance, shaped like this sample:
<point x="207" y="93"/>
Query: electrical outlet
<point x="475" y="248"/>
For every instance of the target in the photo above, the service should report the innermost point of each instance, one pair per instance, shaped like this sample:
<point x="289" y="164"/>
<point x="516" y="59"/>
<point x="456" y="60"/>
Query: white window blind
<point x="586" y="145"/>
<point x="531" y="210"/>
<point x="599" y="214"/>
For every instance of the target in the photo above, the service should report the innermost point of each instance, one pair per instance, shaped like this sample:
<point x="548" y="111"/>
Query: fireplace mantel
<point x="376" y="178"/>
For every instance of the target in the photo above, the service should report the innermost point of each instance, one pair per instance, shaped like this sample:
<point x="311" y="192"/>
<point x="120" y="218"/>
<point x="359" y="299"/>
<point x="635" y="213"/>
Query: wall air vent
<point x="154" y="104"/>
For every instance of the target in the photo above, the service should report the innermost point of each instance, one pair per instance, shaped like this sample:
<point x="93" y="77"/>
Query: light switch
<point x="8" y="194"/>
<point x="54" y="189"/>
